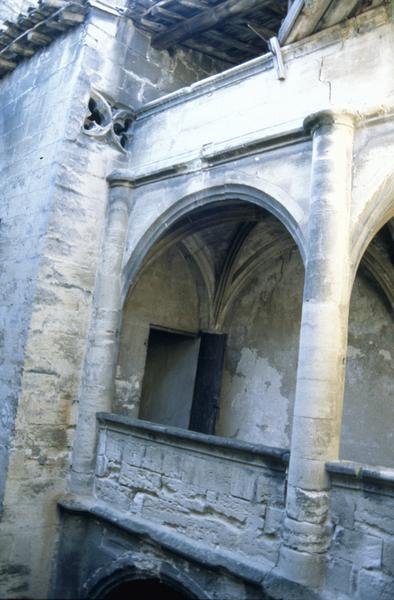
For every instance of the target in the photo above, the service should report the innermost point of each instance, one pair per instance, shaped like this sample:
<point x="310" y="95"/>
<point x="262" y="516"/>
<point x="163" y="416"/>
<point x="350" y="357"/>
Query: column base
<point x="304" y="568"/>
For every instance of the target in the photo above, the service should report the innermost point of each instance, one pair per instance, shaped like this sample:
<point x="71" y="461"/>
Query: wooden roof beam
<point x="161" y="9"/>
<point x="205" y="20"/>
<point x="302" y="19"/>
<point x="229" y="42"/>
<point x="210" y="51"/>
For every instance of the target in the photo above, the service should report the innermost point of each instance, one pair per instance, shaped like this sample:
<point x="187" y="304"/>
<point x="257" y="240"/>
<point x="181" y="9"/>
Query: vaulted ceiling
<point x="225" y="244"/>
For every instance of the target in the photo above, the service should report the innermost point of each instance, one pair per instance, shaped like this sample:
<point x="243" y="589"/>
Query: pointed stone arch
<point x="284" y="209"/>
<point x="378" y="211"/>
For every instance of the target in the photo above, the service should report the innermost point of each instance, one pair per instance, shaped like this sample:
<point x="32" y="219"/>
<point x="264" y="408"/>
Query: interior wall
<point x="261" y="359"/>
<point x="367" y="426"/>
<point x="165" y="295"/>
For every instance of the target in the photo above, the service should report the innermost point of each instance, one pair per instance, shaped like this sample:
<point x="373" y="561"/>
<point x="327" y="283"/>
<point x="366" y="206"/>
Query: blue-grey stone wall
<point x="54" y="195"/>
<point x="33" y="120"/>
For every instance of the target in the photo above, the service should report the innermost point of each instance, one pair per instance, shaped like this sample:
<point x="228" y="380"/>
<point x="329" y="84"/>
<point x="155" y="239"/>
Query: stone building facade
<point x="197" y="291"/>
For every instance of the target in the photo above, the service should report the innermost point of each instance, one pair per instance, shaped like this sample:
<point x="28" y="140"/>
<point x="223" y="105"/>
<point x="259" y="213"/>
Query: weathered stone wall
<point x="54" y="204"/>
<point x="261" y="357"/>
<point x="36" y="103"/>
<point x="97" y="552"/>
<point x="147" y="484"/>
<point x="223" y="493"/>
<point x="368" y="408"/>
<point x="33" y="123"/>
<point x="361" y="556"/>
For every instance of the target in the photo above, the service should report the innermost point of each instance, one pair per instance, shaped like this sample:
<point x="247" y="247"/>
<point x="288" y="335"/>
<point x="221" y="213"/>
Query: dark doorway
<point x="147" y="589"/>
<point x="206" y="398"/>
<point x="170" y="371"/>
<point x="182" y="380"/>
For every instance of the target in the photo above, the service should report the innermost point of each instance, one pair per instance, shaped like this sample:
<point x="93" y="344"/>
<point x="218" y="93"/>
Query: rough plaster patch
<point x="386" y="354"/>
<point x="353" y="352"/>
<point x="368" y="410"/>
<point x="256" y="395"/>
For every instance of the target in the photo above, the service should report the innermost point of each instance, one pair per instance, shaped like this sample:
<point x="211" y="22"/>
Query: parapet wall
<point x="361" y="556"/>
<point x="217" y="503"/>
<point x="204" y="487"/>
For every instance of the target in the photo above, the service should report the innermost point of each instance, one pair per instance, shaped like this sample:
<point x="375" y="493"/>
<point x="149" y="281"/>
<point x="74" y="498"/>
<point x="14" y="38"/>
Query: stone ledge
<point x="211" y="155"/>
<point x="358" y="472"/>
<point x="23" y="37"/>
<point x="232" y="563"/>
<point x="280" y="456"/>
<point x="264" y="574"/>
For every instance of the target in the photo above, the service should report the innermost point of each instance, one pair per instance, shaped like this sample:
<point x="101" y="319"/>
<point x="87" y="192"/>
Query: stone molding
<point x="232" y="563"/>
<point x="120" y="422"/>
<point x="210" y="156"/>
<point x="356" y="472"/>
<point x="266" y="140"/>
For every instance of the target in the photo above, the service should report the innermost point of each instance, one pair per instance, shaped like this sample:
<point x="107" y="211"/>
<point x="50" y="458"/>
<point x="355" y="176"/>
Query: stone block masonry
<point x="230" y="493"/>
<point x="361" y="555"/>
<point x="52" y="212"/>
<point x="217" y="502"/>
<point x="29" y="147"/>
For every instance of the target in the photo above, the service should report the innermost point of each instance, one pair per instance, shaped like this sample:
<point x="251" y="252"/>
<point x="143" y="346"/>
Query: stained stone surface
<point x="209" y="514"/>
<point x="222" y="497"/>
<point x="54" y="198"/>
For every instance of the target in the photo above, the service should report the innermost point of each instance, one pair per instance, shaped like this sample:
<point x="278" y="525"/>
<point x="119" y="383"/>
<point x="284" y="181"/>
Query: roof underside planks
<point x="230" y="30"/>
<point x="237" y="30"/>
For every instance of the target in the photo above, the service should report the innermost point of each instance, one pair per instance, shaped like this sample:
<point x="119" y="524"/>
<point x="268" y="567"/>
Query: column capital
<point x="120" y="178"/>
<point x="329" y="117"/>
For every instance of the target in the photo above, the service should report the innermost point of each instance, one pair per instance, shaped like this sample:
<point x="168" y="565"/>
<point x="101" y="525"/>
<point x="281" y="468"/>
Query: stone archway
<point x="227" y="238"/>
<point x="283" y="209"/>
<point x="151" y="587"/>
<point x="125" y="579"/>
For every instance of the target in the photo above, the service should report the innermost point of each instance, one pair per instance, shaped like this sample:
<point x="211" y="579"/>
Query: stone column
<point x="322" y="351"/>
<point x="97" y="384"/>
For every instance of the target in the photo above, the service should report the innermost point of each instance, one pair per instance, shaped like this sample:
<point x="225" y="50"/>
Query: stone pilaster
<point x="322" y="351"/>
<point x="100" y="362"/>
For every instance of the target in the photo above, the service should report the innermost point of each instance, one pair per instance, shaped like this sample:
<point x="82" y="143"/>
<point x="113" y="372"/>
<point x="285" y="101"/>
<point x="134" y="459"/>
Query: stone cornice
<point x="273" y="138"/>
<point x="211" y="155"/>
<point x="231" y="562"/>
<point x="352" y="474"/>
